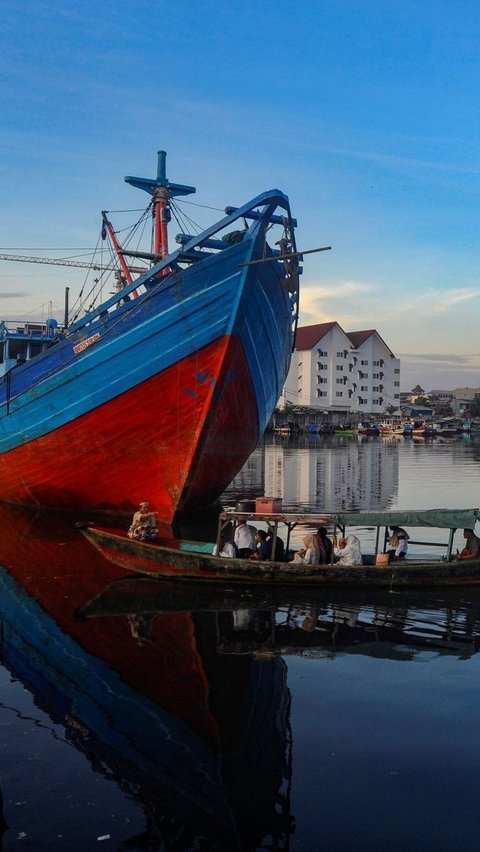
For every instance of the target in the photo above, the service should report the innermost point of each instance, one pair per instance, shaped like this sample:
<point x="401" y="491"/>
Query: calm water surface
<point x="137" y="716"/>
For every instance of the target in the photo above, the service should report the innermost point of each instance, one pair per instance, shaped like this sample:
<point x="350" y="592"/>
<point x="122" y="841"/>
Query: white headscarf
<point x="351" y="554"/>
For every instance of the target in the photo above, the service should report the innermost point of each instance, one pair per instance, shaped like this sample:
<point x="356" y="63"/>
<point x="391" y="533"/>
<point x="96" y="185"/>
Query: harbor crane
<point x="62" y="262"/>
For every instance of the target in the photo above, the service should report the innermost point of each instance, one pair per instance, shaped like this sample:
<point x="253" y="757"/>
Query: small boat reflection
<point x="288" y="621"/>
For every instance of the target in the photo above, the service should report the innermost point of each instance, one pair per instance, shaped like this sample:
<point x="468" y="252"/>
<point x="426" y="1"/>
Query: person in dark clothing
<point x="324" y="545"/>
<point x="263" y="549"/>
<point x="279" y="555"/>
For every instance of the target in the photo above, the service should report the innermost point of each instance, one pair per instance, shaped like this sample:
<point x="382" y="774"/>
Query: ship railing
<point x="154" y="277"/>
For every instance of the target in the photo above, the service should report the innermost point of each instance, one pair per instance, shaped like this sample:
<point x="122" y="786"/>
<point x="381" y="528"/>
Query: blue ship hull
<point x="161" y="396"/>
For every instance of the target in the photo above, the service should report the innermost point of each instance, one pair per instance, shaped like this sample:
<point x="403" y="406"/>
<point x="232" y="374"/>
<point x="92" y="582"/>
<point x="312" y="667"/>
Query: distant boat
<point x="162" y="391"/>
<point x="368" y="429"/>
<point x="448" y="428"/>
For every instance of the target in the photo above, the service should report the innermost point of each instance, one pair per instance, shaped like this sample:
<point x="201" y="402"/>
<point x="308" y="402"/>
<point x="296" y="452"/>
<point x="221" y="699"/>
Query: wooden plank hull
<point x="164" y="440"/>
<point x="170" y="561"/>
<point x="161" y="397"/>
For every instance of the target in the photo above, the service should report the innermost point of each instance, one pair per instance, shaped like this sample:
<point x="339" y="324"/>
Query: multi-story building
<point x="342" y="371"/>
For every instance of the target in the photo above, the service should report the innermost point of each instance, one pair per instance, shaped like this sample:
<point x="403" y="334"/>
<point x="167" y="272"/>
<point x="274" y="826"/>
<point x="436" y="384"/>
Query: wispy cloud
<point x="320" y="302"/>
<point x="434" y="302"/>
<point x="440" y="358"/>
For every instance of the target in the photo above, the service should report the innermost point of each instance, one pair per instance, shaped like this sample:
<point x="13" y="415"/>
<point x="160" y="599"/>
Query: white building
<point x="342" y="371"/>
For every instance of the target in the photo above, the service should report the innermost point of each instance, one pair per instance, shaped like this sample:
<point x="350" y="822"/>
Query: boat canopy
<point x="441" y="518"/>
<point x="451" y="519"/>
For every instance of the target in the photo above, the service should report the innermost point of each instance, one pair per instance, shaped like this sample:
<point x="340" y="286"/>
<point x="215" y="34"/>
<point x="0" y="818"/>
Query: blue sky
<point x="366" y="113"/>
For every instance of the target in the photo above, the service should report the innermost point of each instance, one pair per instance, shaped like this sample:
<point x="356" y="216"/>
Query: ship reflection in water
<point x="180" y="695"/>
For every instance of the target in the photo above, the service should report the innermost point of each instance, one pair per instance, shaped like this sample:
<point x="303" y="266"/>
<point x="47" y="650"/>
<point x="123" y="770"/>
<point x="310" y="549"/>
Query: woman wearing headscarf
<point x="348" y="551"/>
<point x="310" y="554"/>
<point x="397" y="543"/>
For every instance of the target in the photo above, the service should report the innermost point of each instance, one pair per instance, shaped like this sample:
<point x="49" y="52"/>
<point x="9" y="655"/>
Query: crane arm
<point x="62" y="262"/>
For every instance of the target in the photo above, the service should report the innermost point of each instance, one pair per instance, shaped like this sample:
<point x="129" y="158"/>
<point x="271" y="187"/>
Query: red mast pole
<point x="161" y="190"/>
<point x="117" y="247"/>
<point x="161" y="217"/>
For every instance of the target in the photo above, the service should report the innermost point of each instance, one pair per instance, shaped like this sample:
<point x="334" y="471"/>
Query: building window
<point x="364" y="363"/>
<point x="339" y="381"/>
<point x="322" y="353"/>
<point x="397" y="370"/>
<point x="396" y="396"/>
<point x="321" y="393"/>
<point x="396" y="384"/>
<point x="364" y="387"/>
<point x="339" y="393"/>
<point x="339" y="366"/>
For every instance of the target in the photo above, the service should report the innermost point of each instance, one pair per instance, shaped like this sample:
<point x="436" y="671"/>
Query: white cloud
<point x="319" y="302"/>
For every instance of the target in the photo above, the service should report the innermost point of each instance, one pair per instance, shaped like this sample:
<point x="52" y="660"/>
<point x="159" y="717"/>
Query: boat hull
<point x="172" y="561"/>
<point x="162" y="398"/>
<point x="87" y="464"/>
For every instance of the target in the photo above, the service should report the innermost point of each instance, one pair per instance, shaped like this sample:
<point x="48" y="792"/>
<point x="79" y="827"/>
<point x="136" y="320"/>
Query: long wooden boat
<point x="164" y="389"/>
<point x="187" y="560"/>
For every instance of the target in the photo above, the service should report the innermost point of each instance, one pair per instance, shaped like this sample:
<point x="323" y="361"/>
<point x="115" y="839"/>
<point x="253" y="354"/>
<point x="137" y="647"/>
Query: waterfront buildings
<point x="335" y="370"/>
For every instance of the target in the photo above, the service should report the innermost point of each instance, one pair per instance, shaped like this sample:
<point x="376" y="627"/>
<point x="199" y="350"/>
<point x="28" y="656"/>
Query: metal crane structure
<point x="62" y="262"/>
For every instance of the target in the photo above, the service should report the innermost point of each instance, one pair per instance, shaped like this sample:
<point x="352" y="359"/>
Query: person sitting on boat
<point x="398" y="543"/>
<point x="226" y="548"/>
<point x="144" y="525"/>
<point x="310" y="554"/>
<point x="263" y="546"/>
<point x="347" y="550"/>
<point x="325" y="546"/>
<point x="244" y="539"/>
<point x="279" y="555"/>
<point x="472" y="547"/>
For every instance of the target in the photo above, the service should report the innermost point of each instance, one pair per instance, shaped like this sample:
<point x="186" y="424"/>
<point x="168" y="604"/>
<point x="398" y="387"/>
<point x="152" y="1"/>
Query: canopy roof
<point x="440" y="518"/>
<point x="443" y="518"/>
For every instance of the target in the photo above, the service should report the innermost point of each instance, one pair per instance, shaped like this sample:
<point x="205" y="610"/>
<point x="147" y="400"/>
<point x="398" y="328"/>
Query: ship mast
<point x="161" y="191"/>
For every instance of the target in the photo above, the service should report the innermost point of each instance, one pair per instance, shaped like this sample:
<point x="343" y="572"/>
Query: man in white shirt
<point x="244" y="538"/>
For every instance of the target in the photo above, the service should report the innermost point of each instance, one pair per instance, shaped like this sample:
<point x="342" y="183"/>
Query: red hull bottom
<point x="176" y="440"/>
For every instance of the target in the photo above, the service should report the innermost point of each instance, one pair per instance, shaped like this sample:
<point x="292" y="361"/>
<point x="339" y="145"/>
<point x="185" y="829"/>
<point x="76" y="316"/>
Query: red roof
<point x="310" y="335"/>
<point x="359" y="337"/>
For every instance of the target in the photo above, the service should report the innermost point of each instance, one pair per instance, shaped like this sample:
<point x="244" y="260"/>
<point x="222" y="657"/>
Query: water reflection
<point x="286" y="622"/>
<point x="181" y="695"/>
<point x="348" y="472"/>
